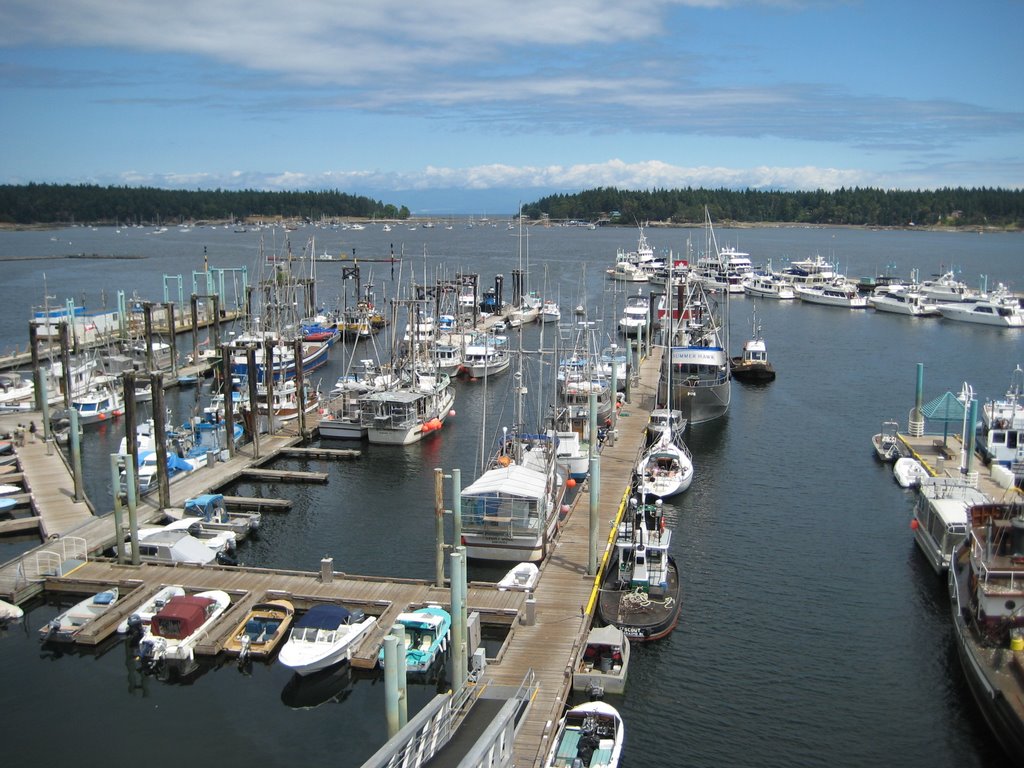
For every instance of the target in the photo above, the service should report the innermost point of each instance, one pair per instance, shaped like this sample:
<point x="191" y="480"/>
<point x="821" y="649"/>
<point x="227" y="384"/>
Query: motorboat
<point x="159" y="546"/>
<point x="520" y="578"/>
<point x="940" y="518"/>
<point x="141" y="616"/>
<point x="909" y="472"/>
<point x="9" y="612"/>
<point x="221" y="541"/>
<point x="902" y="300"/>
<point x="550" y="312"/>
<point x="753" y="366"/>
<point x="572" y="454"/>
<point x="99" y="403"/>
<point x="640" y="591"/>
<point x="1000" y="308"/>
<point x="635" y="316"/>
<point x="604" y="664"/>
<point x="148" y="470"/>
<point x="589" y="735"/>
<point x="263" y="628"/>
<point x="427" y="632"/>
<point x="946" y="289"/>
<point x="985" y="578"/>
<point x="840" y="292"/>
<point x="169" y="642"/>
<point x="665" y="469"/>
<point x="768" y="286"/>
<point x="324" y="636"/>
<point x="66" y="626"/>
<point x="212" y="511"/>
<point x="886" y="443"/>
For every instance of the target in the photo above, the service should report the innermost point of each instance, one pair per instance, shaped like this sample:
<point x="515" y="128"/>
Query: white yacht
<point x="768" y="286"/>
<point x="902" y="300"/>
<point x="635" y="316"/>
<point x="837" y="293"/>
<point x="1000" y="308"/>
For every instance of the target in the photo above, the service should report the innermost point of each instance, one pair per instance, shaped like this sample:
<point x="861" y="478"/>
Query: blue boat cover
<point x="324" y="617"/>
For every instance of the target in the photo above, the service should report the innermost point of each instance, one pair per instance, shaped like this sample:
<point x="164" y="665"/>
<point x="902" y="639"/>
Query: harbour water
<point x="813" y="632"/>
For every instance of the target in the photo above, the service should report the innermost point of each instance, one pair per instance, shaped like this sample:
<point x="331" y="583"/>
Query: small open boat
<point x="589" y="735"/>
<point x="887" y="442"/>
<point x="604" y="664"/>
<point x="261" y="630"/>
<point x="169" y="642"/>
<point x="909" y="472"/>
<point x="140" y="617"/>
<point x="521" y="578"/>
<point x="426" y="637"/>
<point x="64" y="627"/>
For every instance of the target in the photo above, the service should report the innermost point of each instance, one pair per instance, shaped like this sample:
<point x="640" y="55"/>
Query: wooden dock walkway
<point x="384" y="598"/>
<point x="943" y="460"/>
<point x="551" y="646"/>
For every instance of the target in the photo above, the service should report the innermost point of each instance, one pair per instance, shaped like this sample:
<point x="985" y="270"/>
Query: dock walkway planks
<point x="551" y="646"/>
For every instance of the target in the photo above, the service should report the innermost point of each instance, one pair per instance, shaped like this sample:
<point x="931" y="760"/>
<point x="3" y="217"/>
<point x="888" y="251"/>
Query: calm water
<point x="813" y="632"/>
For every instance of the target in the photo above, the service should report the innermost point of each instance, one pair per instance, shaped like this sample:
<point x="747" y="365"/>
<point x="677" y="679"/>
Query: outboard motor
<point x="227" y="558"/>
<point x="135" y="627"/>
<point x="355" y="616"/>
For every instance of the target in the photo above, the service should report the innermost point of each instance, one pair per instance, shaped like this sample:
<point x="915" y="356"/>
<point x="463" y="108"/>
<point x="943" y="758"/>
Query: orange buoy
<point x="913" y="524"/>
<point x="570" y="483"/>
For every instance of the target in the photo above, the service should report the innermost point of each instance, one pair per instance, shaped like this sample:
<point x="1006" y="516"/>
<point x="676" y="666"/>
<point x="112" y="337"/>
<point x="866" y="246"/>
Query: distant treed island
<point x="51" y="204"/>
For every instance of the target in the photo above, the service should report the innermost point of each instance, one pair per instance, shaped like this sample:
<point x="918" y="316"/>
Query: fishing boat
<point x="485" y="355"/>
<point x="168" y="645"/>
<point x="665" y="422"/>
<point x="940" y="518"/>
<point x="640" y="592"/>
<point x="604" y="664"/>
<point x="589" y="735"/>
<point x="324" y="636"/>
<point x="665" y="469"/>
<point x="141" y="616"/>
<point x="753" y="366"/>
<point x="697" y="381"/>
<point x="97" y="404"/>
<point x="985" y="578"/>
<point x="1001" y="439"/>
<point x="263" y="628"/>
<point x="66" y="626"/>
<point x="427" y="633"/>
<point x="887" y="443"/>
<point x="408" y="411"/>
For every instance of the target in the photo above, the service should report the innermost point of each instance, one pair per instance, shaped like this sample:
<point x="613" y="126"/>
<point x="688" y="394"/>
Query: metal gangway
<point x="474" y="728"/>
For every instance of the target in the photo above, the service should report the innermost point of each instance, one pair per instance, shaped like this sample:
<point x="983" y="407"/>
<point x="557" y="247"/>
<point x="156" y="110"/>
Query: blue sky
<point x="462" y="106"/>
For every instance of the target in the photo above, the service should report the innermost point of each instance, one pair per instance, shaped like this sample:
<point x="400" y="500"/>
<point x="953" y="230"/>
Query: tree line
<point x="93" y="204"/>
<point x="955" y="207"/>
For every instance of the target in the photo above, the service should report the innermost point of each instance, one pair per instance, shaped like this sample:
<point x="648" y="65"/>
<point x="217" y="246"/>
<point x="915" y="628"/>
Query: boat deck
<point x="943" y="460"/>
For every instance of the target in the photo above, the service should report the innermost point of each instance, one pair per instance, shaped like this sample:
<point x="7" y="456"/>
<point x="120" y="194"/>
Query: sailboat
<point x="665" y="469"/>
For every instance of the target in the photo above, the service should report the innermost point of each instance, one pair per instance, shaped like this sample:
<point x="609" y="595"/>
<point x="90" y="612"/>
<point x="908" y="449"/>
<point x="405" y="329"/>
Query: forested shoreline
<point x="989" y="208"/>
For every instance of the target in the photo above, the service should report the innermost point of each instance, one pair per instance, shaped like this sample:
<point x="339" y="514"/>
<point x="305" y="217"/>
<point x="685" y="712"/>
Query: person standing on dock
<point x="32" y="430"/>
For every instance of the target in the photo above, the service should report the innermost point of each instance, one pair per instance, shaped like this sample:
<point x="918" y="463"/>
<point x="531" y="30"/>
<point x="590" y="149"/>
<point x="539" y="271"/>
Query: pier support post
<point x="439" y="528"/>
<point x="969" y="440"/>
<point x="254" y="414"/>
<point x="456" y="507"/>
<point x="65" y="364"/>
<point x="615" y="397"/>
<point x="194" y="307"/>
<point x="215" y="299"/>
<point x="229" y="402"/>
<point x="916" y="423"/>
<point x="594" y="489"/>
<point x="172" y="337"/>
<point x="268" y="381"/>
<point x="160" y="438"/>
<point x="391" y="684"/>
<point x="76" y="452"/>
<point x="131" y="418"/>
<point x="37" y="375"/>
<point x="459" y="661"/>
<point x="122" y="316"/>
<point x="326" y="570"/>
<point x="115" y="486"/>
<point x="147" y="319"/>
<point x="629" y="370"/>
<point x="133" y="519"/>
<point x="42" y="391"/>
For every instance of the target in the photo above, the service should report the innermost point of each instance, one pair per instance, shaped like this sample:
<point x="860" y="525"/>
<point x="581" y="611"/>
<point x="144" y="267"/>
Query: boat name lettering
<point x="696" y="356"/>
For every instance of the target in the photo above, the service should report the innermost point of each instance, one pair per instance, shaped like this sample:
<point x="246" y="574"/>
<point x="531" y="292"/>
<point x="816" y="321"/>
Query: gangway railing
<point x="56" y="558"/>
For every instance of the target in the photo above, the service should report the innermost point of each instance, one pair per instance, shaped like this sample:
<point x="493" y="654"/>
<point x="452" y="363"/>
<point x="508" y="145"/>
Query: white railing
<point x="51" y="560"/>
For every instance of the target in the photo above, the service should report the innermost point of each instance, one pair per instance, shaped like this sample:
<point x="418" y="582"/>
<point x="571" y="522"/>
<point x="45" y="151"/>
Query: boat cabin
<point x="181" y="616"/>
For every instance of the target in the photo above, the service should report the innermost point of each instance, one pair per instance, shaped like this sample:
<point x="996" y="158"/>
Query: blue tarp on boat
<point x="324" y="617"/>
